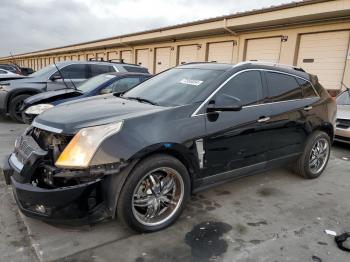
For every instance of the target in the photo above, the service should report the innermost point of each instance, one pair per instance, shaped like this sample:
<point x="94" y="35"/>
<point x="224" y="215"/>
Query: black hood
<point x="51" y="96"/>
<point x="70" y="117"/>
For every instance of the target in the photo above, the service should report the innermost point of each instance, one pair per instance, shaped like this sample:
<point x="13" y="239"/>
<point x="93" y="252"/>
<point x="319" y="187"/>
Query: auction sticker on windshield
<point x="191" y="82"/>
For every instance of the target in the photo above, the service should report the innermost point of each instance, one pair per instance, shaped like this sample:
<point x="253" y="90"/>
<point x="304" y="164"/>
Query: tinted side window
<point x="307" y="89"/>
<point x="121" y="85"/>
<point x="77" y="71"/>
<point x="101" y="69"/>
<point x="246" y="86"/>
<point x="136" y="69"/>
<point x="282" y="87"/>
<point x="125" y="84"/>
<point x="3" y="72"/>
<point x="9" y="68"/>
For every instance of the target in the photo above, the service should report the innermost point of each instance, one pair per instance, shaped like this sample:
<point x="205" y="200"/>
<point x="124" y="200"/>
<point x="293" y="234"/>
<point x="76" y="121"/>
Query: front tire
<point x="14" y="107"/>
<point x="154" y="194"/>
<point x="314" y="159"/>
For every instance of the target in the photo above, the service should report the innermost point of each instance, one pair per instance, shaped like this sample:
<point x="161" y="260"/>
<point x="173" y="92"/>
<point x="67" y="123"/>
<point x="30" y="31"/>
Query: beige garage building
<point x="312" y="34"/>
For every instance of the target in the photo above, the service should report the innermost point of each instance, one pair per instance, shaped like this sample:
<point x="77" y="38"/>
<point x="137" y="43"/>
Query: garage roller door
<point x="265" y="49"/>
<point x="90" y="56"/>
<point x="100" y="56"/>
<point x="162" y="59"/>
<point x="82" y="57"/>
<point x="187" y="54"/>
<point x="220" y="52"/>
<point x="324" y="54"/>
<point x="126" y="56"/>
<point x="142" y="58"/>
<point x="113" y="55"/>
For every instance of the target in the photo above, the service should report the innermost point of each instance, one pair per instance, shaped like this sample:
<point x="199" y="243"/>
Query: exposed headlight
<point x="37" y="109"/>
<point x="80" y="150"/>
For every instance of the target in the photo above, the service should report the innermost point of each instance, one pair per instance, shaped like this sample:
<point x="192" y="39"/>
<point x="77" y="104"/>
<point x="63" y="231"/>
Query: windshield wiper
<point x="140" y="99"/>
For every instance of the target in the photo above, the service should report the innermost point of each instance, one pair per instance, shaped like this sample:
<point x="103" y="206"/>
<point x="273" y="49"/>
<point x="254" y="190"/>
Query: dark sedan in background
<point x="61" y="75"/>
<point x="98" y="85"/>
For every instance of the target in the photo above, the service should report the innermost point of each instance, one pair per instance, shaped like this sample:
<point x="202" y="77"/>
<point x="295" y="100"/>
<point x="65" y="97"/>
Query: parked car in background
<point x="27" y="71"/>
<point x="13" y="68"/>
<point x="98" y="85"/>
<point x="140" y="155"/>
<point x="342" y="133"/>
<point x="62" y="75"/>
<point x="7" y="75"/>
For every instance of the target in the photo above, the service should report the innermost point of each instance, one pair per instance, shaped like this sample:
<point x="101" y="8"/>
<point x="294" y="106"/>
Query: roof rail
<point x="272" y="64"/>
<point x="97" y="59"/>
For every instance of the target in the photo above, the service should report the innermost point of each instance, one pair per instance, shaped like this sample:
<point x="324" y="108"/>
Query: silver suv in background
<point x="342" y="132"/>
<point x="67" y="74"/>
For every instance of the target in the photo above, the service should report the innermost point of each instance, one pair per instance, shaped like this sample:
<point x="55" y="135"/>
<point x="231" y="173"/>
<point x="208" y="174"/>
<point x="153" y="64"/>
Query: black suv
<point x="141" y="155"/>
<point x="53" y="77"/>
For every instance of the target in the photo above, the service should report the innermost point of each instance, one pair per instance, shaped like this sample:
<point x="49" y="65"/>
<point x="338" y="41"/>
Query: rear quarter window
<point x="283" y="87"/>
<point x="307" y="89"/>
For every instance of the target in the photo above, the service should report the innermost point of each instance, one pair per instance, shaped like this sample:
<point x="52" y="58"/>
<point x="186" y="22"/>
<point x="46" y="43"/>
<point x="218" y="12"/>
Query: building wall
<point x="288" y="54"/>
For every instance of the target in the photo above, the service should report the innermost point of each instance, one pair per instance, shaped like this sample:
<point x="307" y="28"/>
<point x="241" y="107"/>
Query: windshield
<point x="94" y="82"/>
<point x="344" y="98"/>
<point x="177" y="86"/>
<point x="43" y="71"/>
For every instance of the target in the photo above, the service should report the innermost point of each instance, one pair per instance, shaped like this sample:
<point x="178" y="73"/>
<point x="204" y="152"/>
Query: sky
<point x="30" y="25"/>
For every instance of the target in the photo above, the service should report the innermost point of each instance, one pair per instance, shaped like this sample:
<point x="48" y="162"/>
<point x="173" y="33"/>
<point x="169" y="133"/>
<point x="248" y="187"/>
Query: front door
<point x="238" y="139"/>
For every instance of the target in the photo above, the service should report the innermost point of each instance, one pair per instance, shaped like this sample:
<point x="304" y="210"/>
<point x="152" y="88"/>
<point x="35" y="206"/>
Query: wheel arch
<point x="178" y="151"/>
<point x="12" y="95"/>
<point x="328" y="129"/>
<point x="116" y="182"/>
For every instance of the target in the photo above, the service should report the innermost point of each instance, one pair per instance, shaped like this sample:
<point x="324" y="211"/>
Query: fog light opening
<point x="40" y="209"/>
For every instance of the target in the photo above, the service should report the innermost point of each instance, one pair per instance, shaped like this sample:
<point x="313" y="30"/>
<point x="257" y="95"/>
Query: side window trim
<point x="195" y="113"/>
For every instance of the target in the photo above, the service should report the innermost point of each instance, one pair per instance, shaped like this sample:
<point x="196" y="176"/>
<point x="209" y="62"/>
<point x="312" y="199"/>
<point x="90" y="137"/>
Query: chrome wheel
<point x="157" y="196"/>
<point x="319" y="155"/>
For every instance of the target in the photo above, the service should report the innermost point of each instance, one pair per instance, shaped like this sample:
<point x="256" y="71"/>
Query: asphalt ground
<point x="273" y="216"/>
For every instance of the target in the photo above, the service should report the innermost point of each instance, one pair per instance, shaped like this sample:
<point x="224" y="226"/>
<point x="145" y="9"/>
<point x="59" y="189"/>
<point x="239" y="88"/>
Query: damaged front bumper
<point x="81" y="203"/>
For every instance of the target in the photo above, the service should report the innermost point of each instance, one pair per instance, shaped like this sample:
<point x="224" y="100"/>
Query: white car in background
<point x="7" y="75"/>
<point x="342" y="133"/>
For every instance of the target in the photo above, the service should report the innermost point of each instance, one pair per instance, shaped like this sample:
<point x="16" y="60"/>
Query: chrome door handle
<point x="308" y="108"/>
<point x="264" y="119"/>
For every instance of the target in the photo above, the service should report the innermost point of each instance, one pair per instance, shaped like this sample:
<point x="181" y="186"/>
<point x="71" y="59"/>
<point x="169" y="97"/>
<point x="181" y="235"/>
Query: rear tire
<point x="15" y="105"/>
<point x="154" y="194"/>
<point x="314" y="159"/>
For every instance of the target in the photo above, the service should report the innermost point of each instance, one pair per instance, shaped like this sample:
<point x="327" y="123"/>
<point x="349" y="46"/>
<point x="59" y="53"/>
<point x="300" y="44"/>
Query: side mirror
<point x="55" y="77"/>
<point x="224" y="103"/>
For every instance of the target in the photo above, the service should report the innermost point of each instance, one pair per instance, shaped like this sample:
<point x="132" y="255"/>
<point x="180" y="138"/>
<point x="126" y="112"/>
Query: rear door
<point x="290" y="114"/>
<point x="236" y="140"/>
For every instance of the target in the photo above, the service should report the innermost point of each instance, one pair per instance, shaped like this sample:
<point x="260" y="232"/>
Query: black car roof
<point x="273" y="67"/>
<point x="248" y="65"/>
<point x="63" y="63"/>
